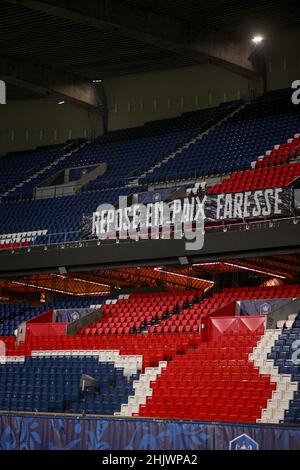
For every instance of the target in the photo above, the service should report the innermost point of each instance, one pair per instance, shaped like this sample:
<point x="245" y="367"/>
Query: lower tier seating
<point x="139" y="311"/>
<point x="165" y="312"/>
<point x="52" y="384"/>
<point x="11" y="315"/>
<point x="154" y="348"/>
<point x="48" y="377"/>
<point x="172" y="376"/>
<point x="163" y="376"/>
<point x="286" y="356"/>
<point x="189" y="319"/>
<point x="241" y="375"/>
<point x="213" y="383"/>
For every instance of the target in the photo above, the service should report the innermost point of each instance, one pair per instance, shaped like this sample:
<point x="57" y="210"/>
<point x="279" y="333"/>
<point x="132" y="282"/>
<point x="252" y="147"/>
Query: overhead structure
<point x="272" y="270"/>
<point x="96" y="39"/>
<point x="73" y="43"/>
<point x="48" y="81"/>
<point x="201" y="44"/>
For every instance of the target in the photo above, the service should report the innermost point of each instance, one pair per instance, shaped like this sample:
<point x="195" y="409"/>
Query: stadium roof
<point x="96" y="39"/>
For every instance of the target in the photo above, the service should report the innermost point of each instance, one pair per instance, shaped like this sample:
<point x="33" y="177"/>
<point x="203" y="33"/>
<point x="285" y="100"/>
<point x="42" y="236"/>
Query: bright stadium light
<point x="257" y="39"/>
<point x="61" y="102"/>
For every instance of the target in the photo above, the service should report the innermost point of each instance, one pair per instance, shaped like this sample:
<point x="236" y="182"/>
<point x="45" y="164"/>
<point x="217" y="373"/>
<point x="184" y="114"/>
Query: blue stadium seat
<point x="52" y="384"/>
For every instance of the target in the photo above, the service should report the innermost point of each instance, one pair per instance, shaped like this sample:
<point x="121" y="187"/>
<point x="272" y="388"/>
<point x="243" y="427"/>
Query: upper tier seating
<point x="232" y="146"/>
<point x="123" y="160"/>
<point x="16" y="167"/>
<point x="258" y="178"/>
<point x="56" y="215"/>
<point x="284" y="170"/>
<point x="191" y="120"/>
<point x="281" y="154"/>
<point x="267" y="121"/>
<point x="129" y="153"/>
<point x="12" y="241"/>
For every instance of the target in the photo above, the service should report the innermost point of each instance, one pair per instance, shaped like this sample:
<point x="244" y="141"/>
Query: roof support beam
<point x="51" y="82"/>
<point x="181" y="37"/>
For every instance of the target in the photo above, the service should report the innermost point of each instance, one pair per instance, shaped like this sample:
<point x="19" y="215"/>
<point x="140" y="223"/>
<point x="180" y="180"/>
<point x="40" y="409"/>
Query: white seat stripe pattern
<point x="21" y="236"/>
<point x="142" y="389"/>
<point x="285" y="388"/>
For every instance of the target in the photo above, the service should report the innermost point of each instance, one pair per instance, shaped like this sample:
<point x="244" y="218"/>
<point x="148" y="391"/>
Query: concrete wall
<point x="283" y="64"/>
<point x="136" y="99"/>
<point x="282" y="313"/>
<point x="26" y="124"/>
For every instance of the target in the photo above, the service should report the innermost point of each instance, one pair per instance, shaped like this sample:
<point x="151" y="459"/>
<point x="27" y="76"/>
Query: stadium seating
<point x="189" y="319"/>
<point x="213" y="383"/>
<point x="149" y="353"/>
<point x="138" y="312"/>
<point x="11" y="315"/>
<point x="16" y="167"/>
<point x="284" y="170"/>
<point x="258" y="178"/>
<point x="187" y="121"/>
<point x="281" y="154"/>
<point x="235" y="145"/>
<point x="48" y="377"/>
<point x="127" y="154"/>
<point x="143" y="366"/>
<point x="52" y="384"/>
<point x="267" y="121"/>
<point x="123" y="159"/>
<point x="56" y="215"/>
<point x="285" y="355"/>
<point x="173" y="312"/>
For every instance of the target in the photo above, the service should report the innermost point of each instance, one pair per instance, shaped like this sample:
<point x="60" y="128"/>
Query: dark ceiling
<point x="39" y="37"/>
<point x="246" y="271"/>
<point x="240" y="16"/>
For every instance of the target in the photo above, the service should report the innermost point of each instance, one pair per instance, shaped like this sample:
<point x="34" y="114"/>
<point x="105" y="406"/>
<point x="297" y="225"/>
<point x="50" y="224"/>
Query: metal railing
<point x="9" y="245"/>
